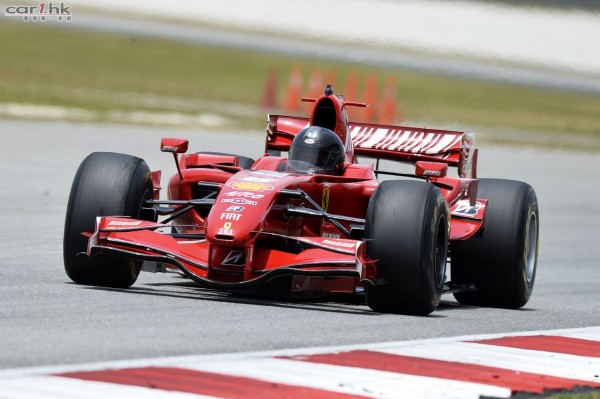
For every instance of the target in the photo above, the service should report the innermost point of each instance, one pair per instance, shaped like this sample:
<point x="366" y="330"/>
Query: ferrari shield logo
<point x="325" y="198"/>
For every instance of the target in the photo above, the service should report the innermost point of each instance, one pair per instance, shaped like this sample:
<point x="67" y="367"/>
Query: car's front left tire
<point x="501" y="259"/>
<point x="407" y="235"/>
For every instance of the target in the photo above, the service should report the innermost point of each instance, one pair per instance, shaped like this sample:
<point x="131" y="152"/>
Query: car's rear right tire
<point x="407" y="235"/>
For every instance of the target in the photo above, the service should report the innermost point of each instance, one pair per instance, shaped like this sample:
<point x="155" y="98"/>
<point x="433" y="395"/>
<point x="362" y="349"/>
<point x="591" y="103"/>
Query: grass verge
<point x="109" y="77"/>
<point x="594" y="394"/>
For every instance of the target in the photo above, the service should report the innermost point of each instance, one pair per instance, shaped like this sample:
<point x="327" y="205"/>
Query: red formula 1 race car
<point x="312" y="221"/>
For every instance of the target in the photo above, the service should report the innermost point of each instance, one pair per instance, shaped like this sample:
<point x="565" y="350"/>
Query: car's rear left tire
<point x="106" y="184"/>
<point x="407" y="234"/>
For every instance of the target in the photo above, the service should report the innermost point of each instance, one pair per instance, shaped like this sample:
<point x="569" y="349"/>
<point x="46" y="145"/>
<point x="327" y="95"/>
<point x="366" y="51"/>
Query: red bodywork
<point x="235" y="228"/>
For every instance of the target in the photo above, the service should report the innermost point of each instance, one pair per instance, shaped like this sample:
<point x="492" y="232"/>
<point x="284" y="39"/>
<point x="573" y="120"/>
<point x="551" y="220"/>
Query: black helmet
<point x="316" y="150"/>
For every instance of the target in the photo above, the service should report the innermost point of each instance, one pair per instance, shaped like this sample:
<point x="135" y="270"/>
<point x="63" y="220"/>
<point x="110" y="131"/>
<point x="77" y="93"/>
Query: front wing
<point x="140" y="240"/>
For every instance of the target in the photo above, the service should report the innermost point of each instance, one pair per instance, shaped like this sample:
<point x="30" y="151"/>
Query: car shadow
<point x="334" y="303"/>
<point x="351" y="304"/>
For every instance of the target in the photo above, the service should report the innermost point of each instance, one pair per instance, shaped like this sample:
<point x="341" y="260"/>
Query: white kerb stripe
<point x="350" y="380"/>
<point x="530" y="361"/>
<point x="50" y="387"/>
<point x="592" y="333"/>
<point x="591" y="336"/>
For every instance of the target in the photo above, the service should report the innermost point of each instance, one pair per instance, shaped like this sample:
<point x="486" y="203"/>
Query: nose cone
<point x="241" y="207"/>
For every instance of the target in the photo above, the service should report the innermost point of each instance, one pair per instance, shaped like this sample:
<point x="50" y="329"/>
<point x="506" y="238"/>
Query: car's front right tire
<point x="106" y="184"/>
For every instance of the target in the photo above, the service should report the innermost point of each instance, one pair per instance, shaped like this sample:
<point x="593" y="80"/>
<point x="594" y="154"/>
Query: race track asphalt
<point x="45" y="319"/>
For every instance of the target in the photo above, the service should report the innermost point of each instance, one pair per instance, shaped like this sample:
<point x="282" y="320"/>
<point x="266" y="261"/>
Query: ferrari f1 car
<point x="308" y="217"/>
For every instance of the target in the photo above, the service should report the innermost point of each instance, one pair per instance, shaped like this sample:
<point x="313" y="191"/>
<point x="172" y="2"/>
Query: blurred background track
<point x="527" y="75"/>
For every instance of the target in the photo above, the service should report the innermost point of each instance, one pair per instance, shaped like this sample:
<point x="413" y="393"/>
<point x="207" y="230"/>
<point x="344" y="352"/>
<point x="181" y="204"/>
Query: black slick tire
<point x="106" y="184"/>
<point x="407" y="234"/>
<point x="501" y="259"/>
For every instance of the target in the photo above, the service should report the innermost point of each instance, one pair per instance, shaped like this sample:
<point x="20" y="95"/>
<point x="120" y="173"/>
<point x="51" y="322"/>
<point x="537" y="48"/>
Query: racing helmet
<point x="316" y="150"/>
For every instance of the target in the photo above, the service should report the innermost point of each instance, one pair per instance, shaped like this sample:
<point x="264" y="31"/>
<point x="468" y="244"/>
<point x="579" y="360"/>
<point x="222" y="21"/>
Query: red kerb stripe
<point x="549" y="343"/>
<point x="517" y="381"/>
<point x="204" y="383"/>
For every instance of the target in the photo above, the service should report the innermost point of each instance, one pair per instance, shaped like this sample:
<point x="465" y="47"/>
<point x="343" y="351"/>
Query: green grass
<point x="595" y="394"/>
<point x="104" y="73"/>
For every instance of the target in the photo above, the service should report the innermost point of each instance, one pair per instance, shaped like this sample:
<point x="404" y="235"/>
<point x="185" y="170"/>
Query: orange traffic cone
<point x="315" y="86"/>
<point x="351" y="94"/>
<point x="292" y="97"/>
<point x="388" y="107"/>
<point x="371" y="97"/>
<point x="269" y="99"/>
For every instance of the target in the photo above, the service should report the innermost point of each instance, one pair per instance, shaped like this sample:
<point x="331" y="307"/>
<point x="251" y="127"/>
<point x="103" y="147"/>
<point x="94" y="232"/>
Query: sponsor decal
<point x="432" y="173"/>
<point x="234" y="258"/>
<point x="231" y="216"/>
<point x="309" y="141"/>
<point x="312" y="134"/>
<point x="234" y="208"/>
<point x="256" y="179"/>
<point x="330" y="235"/>
<point x="168" y="148"/>
<point x="122" y="223"/>
<point x="250" y="186"/>
<point x="325" y="198"/>
<point x="340" y="244"/>
<point x="465" y="209"/>
<point x="269" y="173"/>
<point x="238" y="201"/>
<point x="244" y="194"/>
<point x="226" y="229"/>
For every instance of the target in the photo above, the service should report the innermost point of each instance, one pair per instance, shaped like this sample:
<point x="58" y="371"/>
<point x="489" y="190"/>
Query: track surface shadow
<point x="351" y="304"/>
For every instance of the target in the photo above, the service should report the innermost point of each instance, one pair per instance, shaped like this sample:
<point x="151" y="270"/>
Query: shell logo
<point x="250" y="186"/>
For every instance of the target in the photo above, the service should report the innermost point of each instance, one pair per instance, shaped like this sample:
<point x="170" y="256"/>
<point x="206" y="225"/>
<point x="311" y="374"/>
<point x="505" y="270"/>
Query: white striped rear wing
<point x="406" y="143"/>
<point x="397" y="143"/>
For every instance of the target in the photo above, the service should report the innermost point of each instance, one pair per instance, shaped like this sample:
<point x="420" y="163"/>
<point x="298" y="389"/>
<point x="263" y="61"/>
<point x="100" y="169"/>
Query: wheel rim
<point x="531" y="247"/>
<point x="440" y="254"/>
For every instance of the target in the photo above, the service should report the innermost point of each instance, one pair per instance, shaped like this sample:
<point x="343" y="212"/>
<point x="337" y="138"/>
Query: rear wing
<point x="396" y="143"/>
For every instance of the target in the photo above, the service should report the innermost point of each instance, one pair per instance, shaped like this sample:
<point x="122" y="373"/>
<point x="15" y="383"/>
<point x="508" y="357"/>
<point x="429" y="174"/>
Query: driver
<point x="316" y="150"/>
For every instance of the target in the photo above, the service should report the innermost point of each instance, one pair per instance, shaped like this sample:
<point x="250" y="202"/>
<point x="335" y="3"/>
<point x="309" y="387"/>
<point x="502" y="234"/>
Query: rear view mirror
<point x="174" y="145"/>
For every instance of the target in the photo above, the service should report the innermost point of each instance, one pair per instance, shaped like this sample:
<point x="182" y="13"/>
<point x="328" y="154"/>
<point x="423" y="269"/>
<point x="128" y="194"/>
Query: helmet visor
<point x="313" y="160"/>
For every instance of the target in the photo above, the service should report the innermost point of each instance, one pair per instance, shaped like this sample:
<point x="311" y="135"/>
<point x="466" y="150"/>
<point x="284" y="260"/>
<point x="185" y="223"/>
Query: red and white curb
<point x="459" y="367"/>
